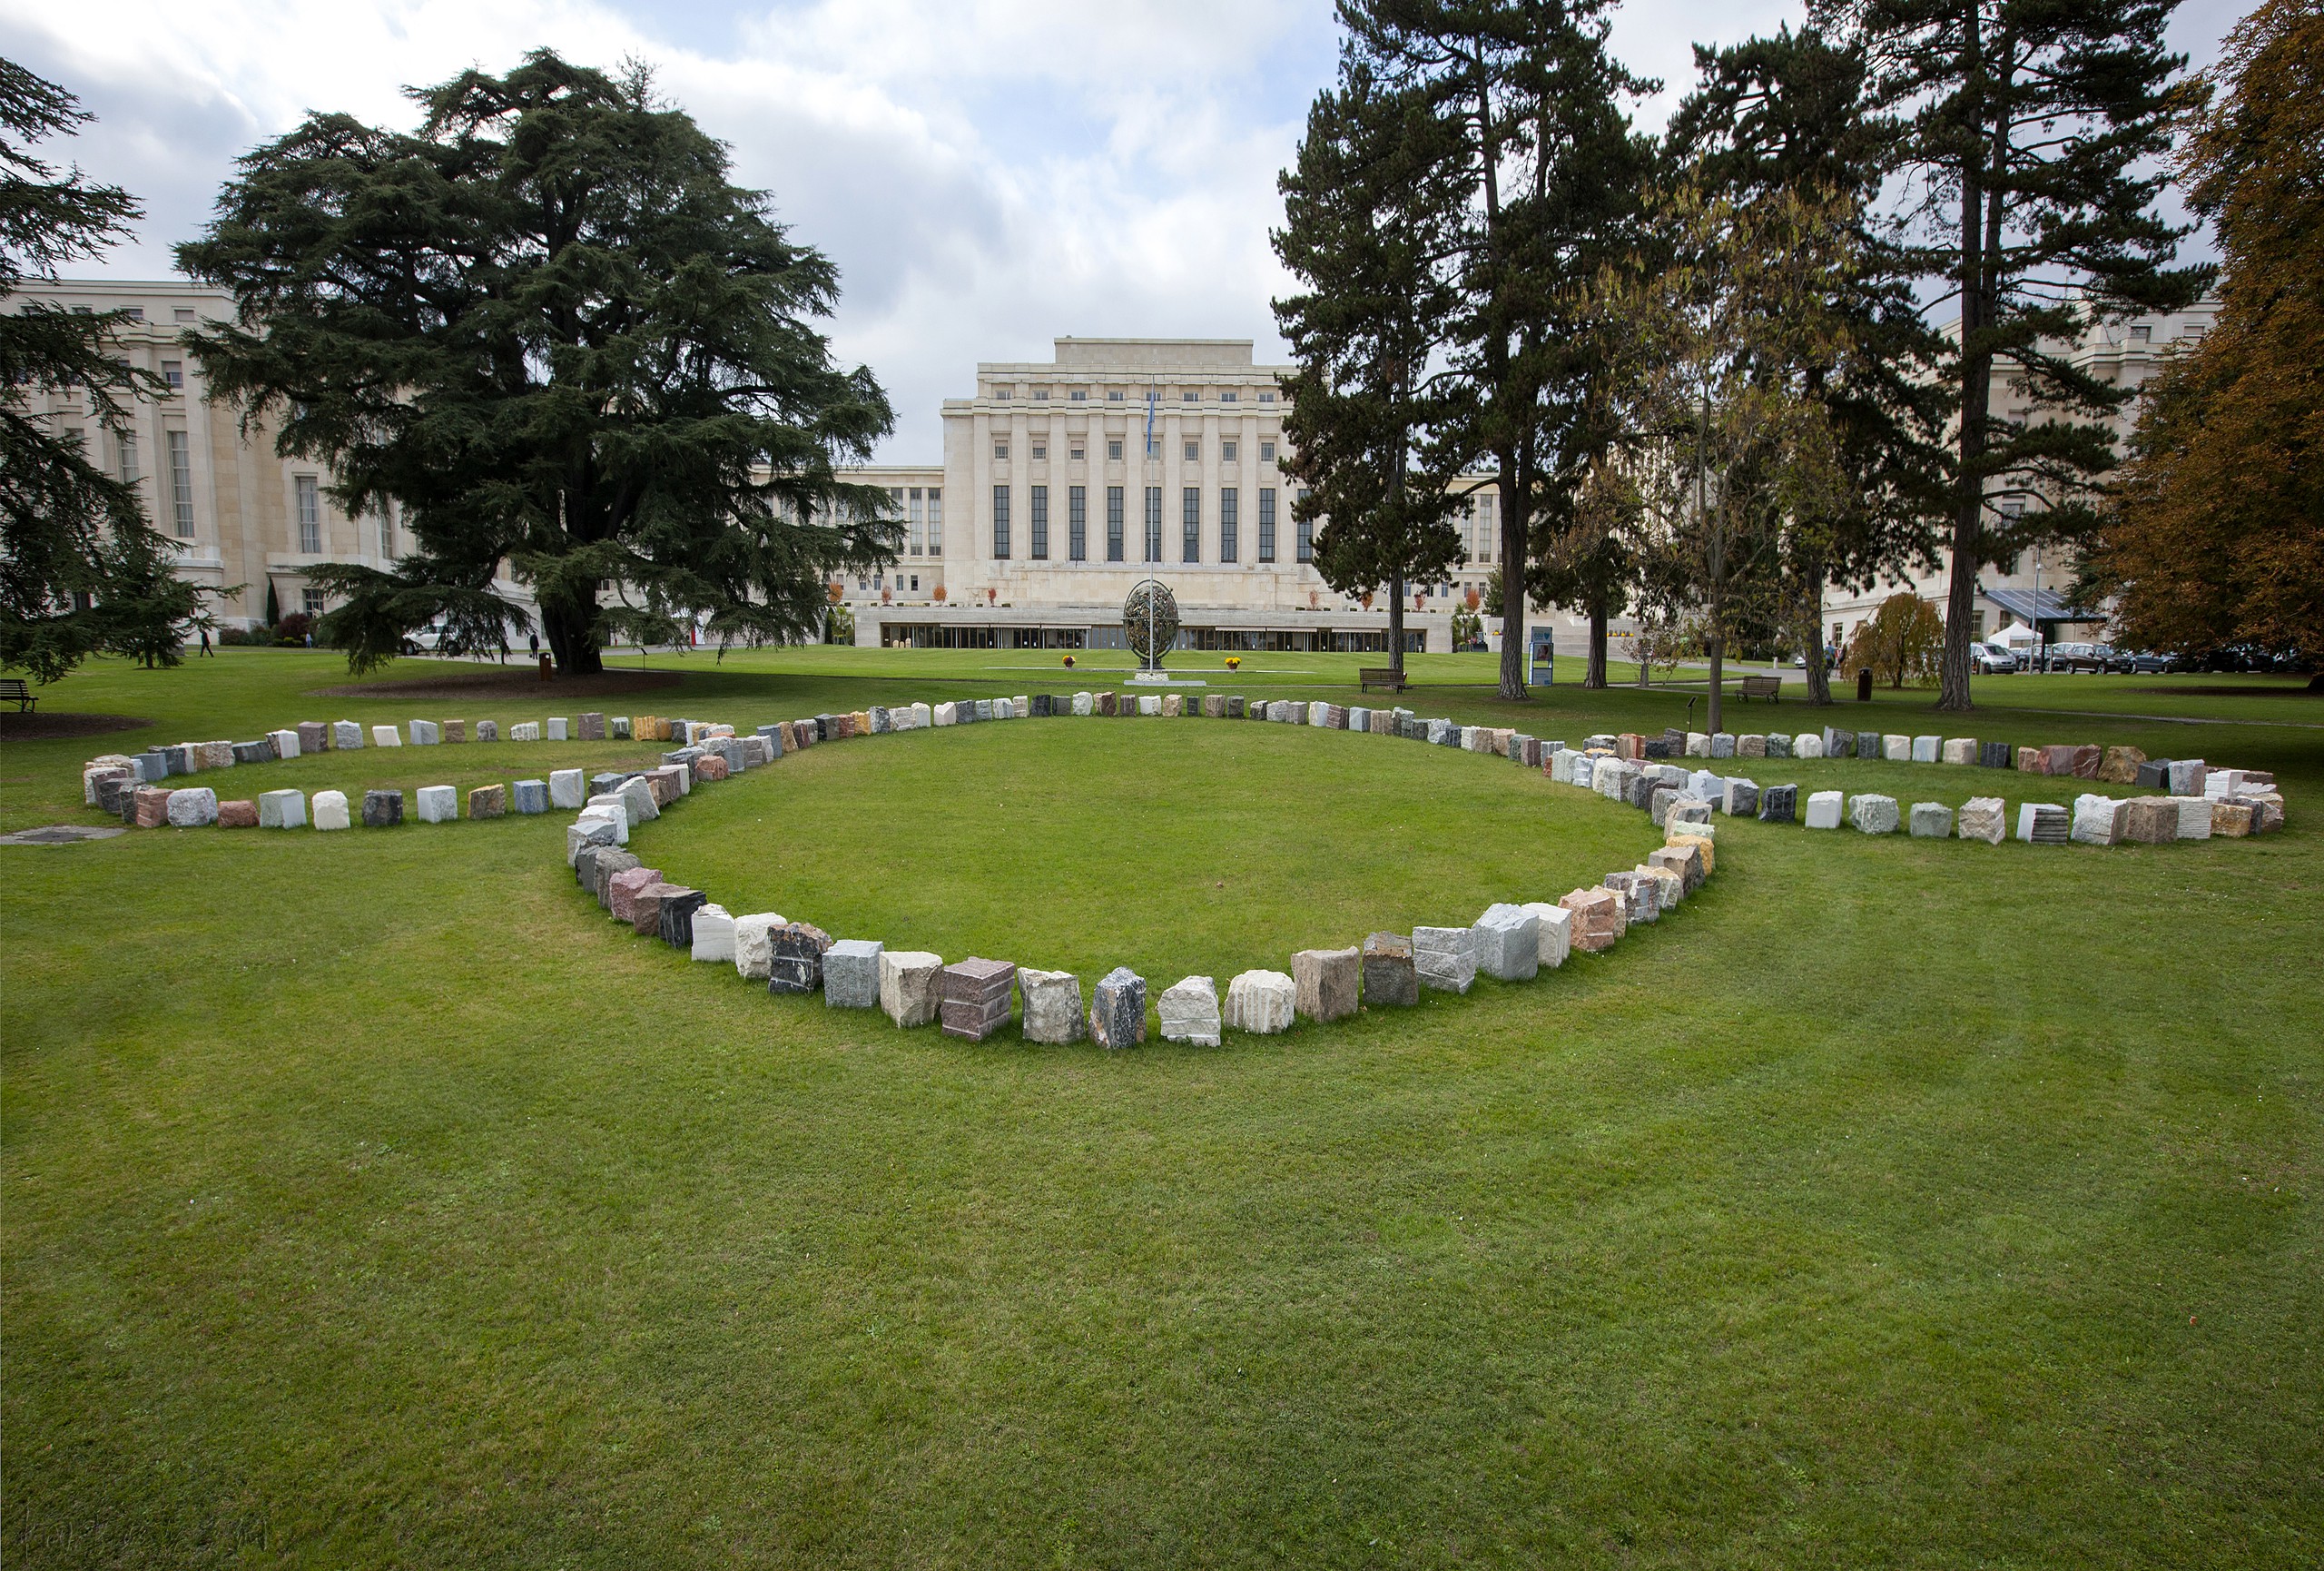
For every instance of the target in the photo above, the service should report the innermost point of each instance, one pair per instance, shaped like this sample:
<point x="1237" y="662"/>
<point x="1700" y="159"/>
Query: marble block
<point x="2194" y="817"/>
<point x="1685" y="861"/>
<point x="1687" y="810"/>
<point x="1319" y="714"/>
<point x="713" y="933"/>
<point x="313" y="737"/>
<point x="1996" y="755"/>
<point x="1838" y="744"/>
<point x="1261" y="1001"/>
<point x="331" y="810"/>
<point x="524" y="731"/>
<point x="1052" y="1001"/>
<point x="709" y="767"/>
<point x="488" y="730"/>
<point x="1232" y="707"/>
<point x="1599" y="919"/>
<point x="2155" y="773"/>
<point x="645" y="906"/>
<point x="755" y="947"/>
<point x="1552" y="934"/>
<point x="558" y="730"/>
<point x="1443" y="733"/>
<point x="679" y="907"/>
<point x="1751" y="745"/>
<point x="532" y="796"/>
<point x="2097" y="820"/>
<point x="1983" y="818"/>
<point x="621" y="887"/>
<point x="1658" y="806"/>
<point x="1961" y="750"/>
<point x="386" y="736"/>
<point x="488" y="802"/>
<point x="584" y="835"/>
<point x="285" y="744"/>
<point x="1084" y="704"/>
<point x="2033" y="761"/>
<point x="1445" y="957"/>
<point x="2154" y="820"/>
<point x="2119" y="766"/>
<point x="1698" y="744"/>
<point x="217" y="756"/>
<point x="1335" y="717"/>
<point x="1598" y="741"/>
<point x="1871" y="744"/>
<point x="1895" y="749"/>
<point x="2042" y="822"/>
<point x="1213" y="706"/>
<point x="1778" y="744"/>
<point x="1824" y="809"/>
<point x="1668" y="887"/>
<point x="1924" y="749"/>
<point x="1742" y="800"/>
<point x="1117" y="1009"/>
<point x="1188" y="1012"/>
<point x="383" y="809"/>
<point x="1390" y="976"/>
<point x="795" y="962"/>
<point x="1507" y="943"/>
<point x="851" y="973"/>
<point x="923" y="717"/>
<point x="948" y="714"/>
<point x="424" y="733"/>
<point x="567" y="788"/>
<point x="437" y="805"/>
<point x="639" y="797"/>
<point x="1359" y="717"/>
<point x="1722" y="745"/>
<point x="1931" y="821"/>
<point x="281" y="810"/>
<point x="194" y="807"/>
<point x="911" y="990"/>
<point x="2058" y="759"/>
<point x="1873" y="814"/>
<point x="1559" y="766"/>
<point x="1780" y="804"/>
<point x="2186" y="777"/>
<point x="1807" y="744"/>
<point x="1147" y="703"/>
<point x="1325" y="985"/>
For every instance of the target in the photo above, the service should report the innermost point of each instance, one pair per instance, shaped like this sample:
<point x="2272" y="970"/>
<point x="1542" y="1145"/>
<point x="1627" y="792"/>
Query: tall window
<point x="919" y="521"/>
<point x="1154" y="523"/>
<point x="935" y="521"/>
<point x="1076" y="523"/>
<point x="1191" y="525"/>
<point x="310" y="515"/>
<point x="387" y="533"/>
<point x="128" y="458"/>
<point x="1194" y="452"/>
<point x="173" y="373"/>
<point x="312" y="602"/>
<point x="1229" y="516"/>
<point x="1303" y="535"/>
<point x="181" y="483"/>
<point x="1113" y="523"/>
<point x="1001" y="523"/>
<point x="1484" y="527"/>
<point x="1267" y="523"/>
<point x="1041" y="522"/>
<point x="1114" y="451"/>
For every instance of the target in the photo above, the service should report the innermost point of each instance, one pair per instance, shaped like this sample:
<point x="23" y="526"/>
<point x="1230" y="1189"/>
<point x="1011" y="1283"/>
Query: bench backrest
<point x="12" y="687"/>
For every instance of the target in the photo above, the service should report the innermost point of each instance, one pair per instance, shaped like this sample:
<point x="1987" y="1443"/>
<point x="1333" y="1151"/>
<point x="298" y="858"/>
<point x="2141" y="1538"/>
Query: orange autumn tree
<point x="2216" y="533"/>
<point x="1902" y="641"/>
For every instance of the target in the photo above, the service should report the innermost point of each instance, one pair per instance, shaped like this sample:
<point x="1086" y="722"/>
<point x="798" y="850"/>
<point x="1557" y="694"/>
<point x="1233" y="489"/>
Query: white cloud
<point x="987" y="174"/>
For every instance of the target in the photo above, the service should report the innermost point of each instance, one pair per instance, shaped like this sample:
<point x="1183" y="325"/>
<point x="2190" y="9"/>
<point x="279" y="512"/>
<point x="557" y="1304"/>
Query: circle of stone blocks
<point x="1873" y="814"/>
<point x="1445" y="957"/>
<point x="1599" y="919"/>
<point x="1052" y="1001"/>
<point x="331" y="810"/>
<point x="1507" y="942"/>
<point x="851" y="973"/>
<point x="1261" y="1001"/>
<point x="976" y="997"/>
<point x="1327" y="983"/>
<point x="1391" y="977"/>
<point x="436" y="805"/>
<point x="795" y="963"/>
<point x="1117" y="1009"/>
<point x="1188" y="1010"/>
<point x="281" y="810"/>
<point x="1931" y="821"/>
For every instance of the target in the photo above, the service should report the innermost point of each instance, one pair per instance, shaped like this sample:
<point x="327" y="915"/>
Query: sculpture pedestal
<point x="1163" y="679"/>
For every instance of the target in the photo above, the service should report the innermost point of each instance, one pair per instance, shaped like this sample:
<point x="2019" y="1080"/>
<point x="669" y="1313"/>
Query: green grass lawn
<point x="371" y="1199"/>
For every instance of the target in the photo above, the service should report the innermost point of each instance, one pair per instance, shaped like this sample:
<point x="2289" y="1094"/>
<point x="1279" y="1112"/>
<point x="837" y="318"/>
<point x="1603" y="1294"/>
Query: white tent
<point x="2017" y="634"/>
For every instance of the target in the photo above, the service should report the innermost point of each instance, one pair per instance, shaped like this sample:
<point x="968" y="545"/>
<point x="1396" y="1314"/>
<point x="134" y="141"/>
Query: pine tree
<point x="1364" y="212"/>
<point x="82" y="569"/>
<point x="550" y="329"/>
<point x="2027" y="129"/>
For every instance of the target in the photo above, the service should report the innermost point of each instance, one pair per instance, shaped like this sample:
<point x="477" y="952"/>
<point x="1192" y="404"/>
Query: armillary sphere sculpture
<point x="1150" y="620"/>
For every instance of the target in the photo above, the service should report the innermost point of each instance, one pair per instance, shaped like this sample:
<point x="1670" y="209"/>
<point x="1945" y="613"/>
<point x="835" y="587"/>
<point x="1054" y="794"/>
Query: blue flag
<point x="1149" y="422"/>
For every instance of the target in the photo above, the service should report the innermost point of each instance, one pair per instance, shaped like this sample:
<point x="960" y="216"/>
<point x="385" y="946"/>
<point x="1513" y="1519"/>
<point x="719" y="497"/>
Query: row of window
<point x="922" y="508"/>
<point x="1228" y="452"/>
<point x="1191" y="525"/>
<point x="1192" y="395"/>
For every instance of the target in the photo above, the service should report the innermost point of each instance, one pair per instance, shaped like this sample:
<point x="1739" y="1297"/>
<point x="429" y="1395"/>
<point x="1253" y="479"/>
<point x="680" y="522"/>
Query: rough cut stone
<point x="1599" y="919"/>
<point x="581" y="837"/>
<point x="2187" y="777"/>
<point x="1261" y="1001"/>
<point x="1326" y="982"/>
<point x="346" y="733"/>
<point x="1807" y="744"/>
<point x="1685" y="861"/>
<point x="1507" y="942"/>
<point x="281" y="810"/>
<point x="622" y="888"/>
<point x="795" y="962"/>
<point x="1752" y="745"/>
<point x="851" y="973"/>
<point x="331" y="809"/>
<point x="1873" y="813"/>
<point x="237" y="814"/>
<point x="2097" y="820"/>
<point x="567" y="788"/>
<point x="976" y="995"/>
<point x="383" y="809"/>
<point x="1117" y="1009"/>
<point x="1780" y="804"/>
<point x="1931" y="821"/>
<point x="911" y="984"/>
<point x="2154" y="820"/>
<point x="437" y="805"/>
<point x="2194" y="817"/>
<point x="1926" y="749"/>
<point x="593" y="725"/>
<point x="1697" y="744"/>
<point x="285" y="744"/>
<point x="1824" y="809"/>
<point x="1640" y="897"/>
<point x="1983" y="818"/>
<point x="677" y="916"/>
<point x="1552" y="934"/>
<point x="713" y="933"/>
<point x="2033" y="761"/>
<point x="532" y="796"/>
<point x="488" y="730"/>
<point x="313" y="737"/>
<point x="1052" y="1006"/>
<point x="2119" y="766"/>
<point x="1390" y="977"/>
<point x="1742" y="799"/>
<point x="1778" y="744"/>
<point x="1895" y="749"/>
<point x="1722" y="745"/>
<point x="754" y="945"/>
<point x="1445" y="957"/>
<point x="1188" y="1012"/>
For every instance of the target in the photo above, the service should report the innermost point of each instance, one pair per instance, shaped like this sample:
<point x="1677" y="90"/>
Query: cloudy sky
<point x="989" y="175"/>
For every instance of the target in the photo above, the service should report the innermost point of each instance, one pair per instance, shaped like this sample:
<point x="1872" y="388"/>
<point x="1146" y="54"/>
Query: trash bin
<point x="1864" y="685"/>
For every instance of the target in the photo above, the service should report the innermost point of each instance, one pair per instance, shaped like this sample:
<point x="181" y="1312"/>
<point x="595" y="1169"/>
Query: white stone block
<point x="911" y="983"/>
<point x="2195" y="817"/>
<point x="1982" y="818"/>
<point x="426" y="733"/>
<point x="637" y="798"/>
<point x="1190" y="1011"/>
<point x="1807" y="744"/>
<point x="1052" y="1001"/>
<point x="1896" y="749"/>
<point x="1148" y="703"/>
<point x="1445" y="957"/>
<point x="948" y="714"/>
<point x="755" y="948"/>
<point x="331" y="810"/>
<point x="1961" y="750"/>
<point x="1561" y="767"/>
<point x="346" y="733"/>
<point x="567" y="788"/>
<point x="1824" y="809"/>
<point x="557" y="729"/>
<point x="2097" y="820"/>
<point x="437" y="805"/>
<point x="1319" y="714"/>
<point x="612" y="810"/>
<point x="923" y="717"/>
<point x="386" y="736"/>
<point x="1084" y="703"/>
<point x="1925" y="748"/>
<point x="1261" y="1002"/>
<point x="286" y="743"/>
<point x="1697" y="744"/>
<point x="194" y="807"/>
<point x="1553" y="932"/>
<point x="524" y="731"/>
<point x="713" y="933"/>
<point x="288" y="810"/>
<point x="1508" y="940"/>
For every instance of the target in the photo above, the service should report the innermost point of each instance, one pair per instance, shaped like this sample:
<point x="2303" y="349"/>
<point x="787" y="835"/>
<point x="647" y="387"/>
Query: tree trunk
<point x="573" y="640"/>
<point x="1717" y="671"/>
<point x="1516" y="523"/>
<point x="1396" y="625"/>
<point x="1596" y="676"/>
<point x="1976" y="373"/>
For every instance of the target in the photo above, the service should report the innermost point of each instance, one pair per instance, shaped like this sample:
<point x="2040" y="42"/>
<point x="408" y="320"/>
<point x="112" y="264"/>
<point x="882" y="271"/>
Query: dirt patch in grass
<point x="32" y="726"/>
<point x="524" y="683"/>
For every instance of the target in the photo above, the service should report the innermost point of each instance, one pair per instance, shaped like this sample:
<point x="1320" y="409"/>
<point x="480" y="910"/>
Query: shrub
<point x="1903" y="641"/>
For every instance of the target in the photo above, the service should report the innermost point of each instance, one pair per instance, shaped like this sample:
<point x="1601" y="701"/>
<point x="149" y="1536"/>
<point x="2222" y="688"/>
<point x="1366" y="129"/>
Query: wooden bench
<point x="1768" y="687"/>
<point x="13" y="688"/>
<point x="1367" y="677"/>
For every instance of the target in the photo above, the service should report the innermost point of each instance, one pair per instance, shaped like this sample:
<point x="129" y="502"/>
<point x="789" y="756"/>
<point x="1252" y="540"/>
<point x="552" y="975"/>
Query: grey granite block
<point x="1931" y="821"/>
<point x="1507" y="941"/>
<point x="1445" y="957"/>
<point x="532" y="796"/>
<point x="851" y="973"/>
<point x="1780" y="804"/>
<point x="383" y="809"/>
<point x="1117" y="1009"/>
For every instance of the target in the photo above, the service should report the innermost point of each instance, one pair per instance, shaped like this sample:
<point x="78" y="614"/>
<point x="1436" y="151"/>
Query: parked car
<point x="1991" y="661"/>
<point x="2075" y="657"/>
<point x="2145" y="663"/>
